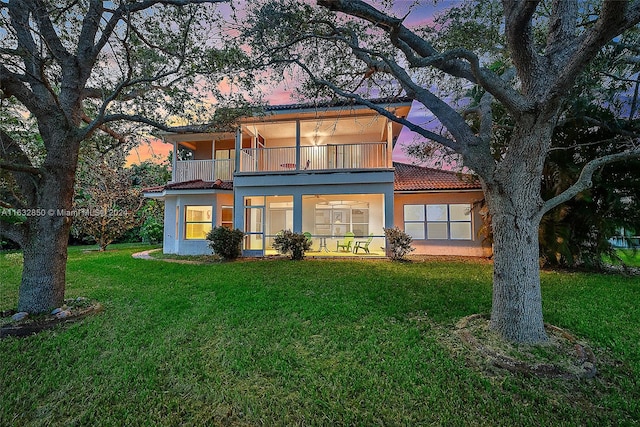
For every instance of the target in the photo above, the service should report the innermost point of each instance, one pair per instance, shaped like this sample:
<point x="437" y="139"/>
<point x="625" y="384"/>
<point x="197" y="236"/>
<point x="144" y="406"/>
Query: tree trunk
<point x="45" y="261"/>
<point x="516" y="312"/>
<point x="514" y="201"/>
<point x="45" y="247"/>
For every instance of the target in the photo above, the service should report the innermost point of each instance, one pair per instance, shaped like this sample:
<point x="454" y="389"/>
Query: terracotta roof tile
<point x="406" y="178"/>
<point x="338" y="103"/>
<point x="416" y="178"/>
<point x="196" y="184"/>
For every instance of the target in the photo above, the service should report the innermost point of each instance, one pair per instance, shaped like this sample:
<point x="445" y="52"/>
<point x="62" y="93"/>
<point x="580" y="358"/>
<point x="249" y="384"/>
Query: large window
<point x="197" y="222"/>
<point x="336" y="218"/>
<point x="438" y="222"/>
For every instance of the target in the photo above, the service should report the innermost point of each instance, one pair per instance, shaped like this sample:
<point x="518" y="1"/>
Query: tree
<point x="106" y="205"/>
<point x="577" y="233"/>
<point x="79" y="67"/>
<point x="353" y="49"/>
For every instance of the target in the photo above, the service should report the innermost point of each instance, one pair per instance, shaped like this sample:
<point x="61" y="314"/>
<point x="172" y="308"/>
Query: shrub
<point x="399" y="243"/>
<point x="152" y="231"/>
<point x="288" y="242"/>
<point x="225" y="242"/>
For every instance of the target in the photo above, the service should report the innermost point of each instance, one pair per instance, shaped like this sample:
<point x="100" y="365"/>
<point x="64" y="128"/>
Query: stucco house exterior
<point x="324" y="169"/>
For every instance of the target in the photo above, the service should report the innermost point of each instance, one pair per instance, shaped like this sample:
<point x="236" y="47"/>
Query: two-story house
<point x="326" y="170"/>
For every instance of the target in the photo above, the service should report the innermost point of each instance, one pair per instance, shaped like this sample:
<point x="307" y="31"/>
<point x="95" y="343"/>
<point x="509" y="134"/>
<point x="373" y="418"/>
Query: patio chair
<point x="308" y="236"/>
<point x="346" y="243"/>
<point x="363" y="244"/>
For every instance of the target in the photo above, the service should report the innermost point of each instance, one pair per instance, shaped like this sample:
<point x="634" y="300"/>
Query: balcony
<point x="206" y="170"/>
<point x="283" y="159"/>
<point x="315" y="158"/>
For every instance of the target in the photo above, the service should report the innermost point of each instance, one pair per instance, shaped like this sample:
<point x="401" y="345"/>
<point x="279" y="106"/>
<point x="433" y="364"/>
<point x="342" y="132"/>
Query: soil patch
<point x="563" y="356"/>
<point x="73" y="310"/>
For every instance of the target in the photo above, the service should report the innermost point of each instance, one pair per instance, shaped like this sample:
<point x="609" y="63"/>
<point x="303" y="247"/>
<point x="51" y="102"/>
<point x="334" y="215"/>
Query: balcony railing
<point x="312" y="158"/>
<point x="206" y="170"/>
<point x="321" y="157"/>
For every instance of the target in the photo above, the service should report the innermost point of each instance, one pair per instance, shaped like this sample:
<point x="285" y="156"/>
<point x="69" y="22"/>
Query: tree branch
<point x="519" y="34"/>
<point x="376" y="107"/>
<point x="16" y="167"/>
<point x="15" y="232"/>
<point x="449" y="62"/>
<point x="615" y="18"/>
<point x="562" y="27"/>
<point x="585" y="180"/>
<point x="47" y="31"/>
<point x="14" y="159"/>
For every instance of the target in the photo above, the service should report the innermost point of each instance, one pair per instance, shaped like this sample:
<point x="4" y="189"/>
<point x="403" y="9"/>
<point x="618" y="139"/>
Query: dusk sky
<point x="421" y="14"/>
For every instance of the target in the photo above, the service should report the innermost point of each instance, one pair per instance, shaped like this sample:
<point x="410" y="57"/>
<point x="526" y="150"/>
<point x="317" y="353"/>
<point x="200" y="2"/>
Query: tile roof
<point x="417" y="178"/>
<point x="196" y="184"/>
<point x="406" y="178"/>
<point x="338" y="103"/>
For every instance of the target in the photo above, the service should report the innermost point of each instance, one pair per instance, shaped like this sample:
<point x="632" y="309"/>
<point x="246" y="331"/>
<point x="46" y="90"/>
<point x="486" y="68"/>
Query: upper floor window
<point x="438" y="222"/>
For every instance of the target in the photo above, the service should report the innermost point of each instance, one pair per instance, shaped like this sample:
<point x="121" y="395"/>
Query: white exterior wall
<point x="174" y="221"/>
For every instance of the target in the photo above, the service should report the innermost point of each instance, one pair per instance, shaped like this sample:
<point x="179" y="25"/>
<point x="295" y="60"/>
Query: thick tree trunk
<point x="514" y="201"/>
<point x="45" y="262"/>
<point x="517" y="300"/>
<point x="45" y="247"/>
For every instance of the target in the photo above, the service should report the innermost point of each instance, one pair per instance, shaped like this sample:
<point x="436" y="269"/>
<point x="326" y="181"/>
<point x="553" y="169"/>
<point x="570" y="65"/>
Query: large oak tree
<point x="79" y="67"/>
<point x="354" y="49"/>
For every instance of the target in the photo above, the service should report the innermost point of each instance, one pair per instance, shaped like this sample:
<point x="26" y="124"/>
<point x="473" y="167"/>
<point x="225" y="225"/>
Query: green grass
<point x="317" y="342"/>
<point x="630" y="257"/>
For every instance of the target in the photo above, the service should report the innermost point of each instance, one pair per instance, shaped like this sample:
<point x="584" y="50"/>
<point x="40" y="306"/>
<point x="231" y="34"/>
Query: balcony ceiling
<point x="369" y="128"/>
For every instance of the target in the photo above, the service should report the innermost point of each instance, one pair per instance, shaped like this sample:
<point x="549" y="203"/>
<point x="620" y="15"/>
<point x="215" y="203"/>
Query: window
<point x="197" y="222"/>
<point x="227" y="216"/>
<point x="339" y="217"/>
<point x="438" y="222"/>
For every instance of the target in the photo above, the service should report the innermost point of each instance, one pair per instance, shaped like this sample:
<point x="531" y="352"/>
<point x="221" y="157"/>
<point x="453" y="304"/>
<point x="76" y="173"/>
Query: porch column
<point x="297" y="213"/>
<point x="213" y="162"/>
<point x="390" y="146"/>
<point x="388" y="208"/>
<point x="238" y="210"/>
<point x="238" y="148"/>
<point x="174" y="160"/>
<point x="297" y="147"/>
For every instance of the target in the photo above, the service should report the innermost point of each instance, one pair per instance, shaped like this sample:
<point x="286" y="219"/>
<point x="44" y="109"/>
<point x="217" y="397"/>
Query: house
<point x="325" y="169"/>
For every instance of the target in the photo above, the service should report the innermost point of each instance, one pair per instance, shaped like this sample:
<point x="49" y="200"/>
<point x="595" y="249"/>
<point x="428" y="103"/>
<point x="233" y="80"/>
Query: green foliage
<point x="294" y="244"/>
<point x="106" y="202"/>
<point x="152" y="231"/>
<point x="225" y="242"/>
<point x="399" y="243"/>
<point x="576" y="233"/>
<point x="148" y="174"/>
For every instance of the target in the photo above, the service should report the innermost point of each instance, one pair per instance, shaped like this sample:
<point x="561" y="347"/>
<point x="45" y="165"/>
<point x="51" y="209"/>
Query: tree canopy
<point x="73" y="68"/>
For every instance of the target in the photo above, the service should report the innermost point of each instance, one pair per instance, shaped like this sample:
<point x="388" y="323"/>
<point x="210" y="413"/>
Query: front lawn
<point x="317" y="342"/>
<point x="630" y="257"/>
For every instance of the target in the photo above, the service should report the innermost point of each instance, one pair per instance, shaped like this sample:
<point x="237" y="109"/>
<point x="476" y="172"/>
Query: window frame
<point x="188" y="222"/>
<point x="437" y="221"/>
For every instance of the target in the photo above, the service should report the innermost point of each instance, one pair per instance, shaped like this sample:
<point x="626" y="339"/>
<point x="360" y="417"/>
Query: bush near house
<point x="225" y="242"/>
<point x="295" y="244"/>
<point x="399" y="243"/>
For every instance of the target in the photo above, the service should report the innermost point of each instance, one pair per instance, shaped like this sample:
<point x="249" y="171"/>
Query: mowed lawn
<point x="317" y="342"/>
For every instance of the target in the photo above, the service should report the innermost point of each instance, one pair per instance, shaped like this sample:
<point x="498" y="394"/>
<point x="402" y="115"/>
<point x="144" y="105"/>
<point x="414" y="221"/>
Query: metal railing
<point x="267" y="159"/>
<point x="206" y="170"/>
<point x="321" y="157"/>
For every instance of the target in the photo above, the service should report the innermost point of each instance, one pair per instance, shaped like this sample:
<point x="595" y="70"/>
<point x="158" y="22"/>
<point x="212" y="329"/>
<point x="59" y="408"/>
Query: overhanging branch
<point x="585" y="179"/>
<point x="16" y="167"/>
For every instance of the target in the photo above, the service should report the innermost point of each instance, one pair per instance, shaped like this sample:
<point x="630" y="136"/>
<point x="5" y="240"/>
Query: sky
<point x="421" y="14"/>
